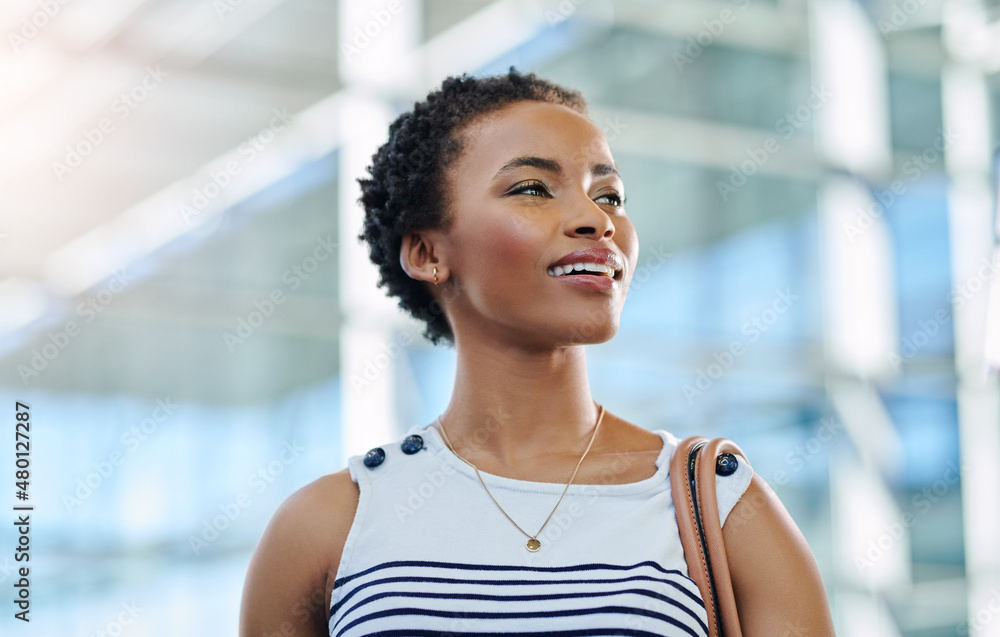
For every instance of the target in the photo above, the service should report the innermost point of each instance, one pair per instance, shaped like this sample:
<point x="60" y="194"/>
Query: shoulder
<point x="775" y="576"/>
<point x="321" y="511"/>
<point x="324" y="495"/>
<point x="622" y="453"/>
<point x="626" y="437"/>
<point x="290" y="576"/>
<point x="730" y="486"/>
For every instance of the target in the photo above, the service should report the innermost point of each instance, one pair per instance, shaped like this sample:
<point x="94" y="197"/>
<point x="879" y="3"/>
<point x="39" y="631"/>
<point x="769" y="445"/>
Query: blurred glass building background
<point x="185" y="308"/>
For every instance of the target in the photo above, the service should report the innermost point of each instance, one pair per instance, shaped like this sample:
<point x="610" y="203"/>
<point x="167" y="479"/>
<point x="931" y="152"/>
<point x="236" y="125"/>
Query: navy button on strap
<point x="374" y="457"/>
<point x="726" y="464"/>
<point x="412" y="444"/>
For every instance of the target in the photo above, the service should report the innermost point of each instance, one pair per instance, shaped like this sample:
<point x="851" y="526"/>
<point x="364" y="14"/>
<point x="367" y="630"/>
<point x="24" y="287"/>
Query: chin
<point x="592" y="333"/>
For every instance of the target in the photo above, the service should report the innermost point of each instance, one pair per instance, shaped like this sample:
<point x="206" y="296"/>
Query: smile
<point x="583" y="268"/>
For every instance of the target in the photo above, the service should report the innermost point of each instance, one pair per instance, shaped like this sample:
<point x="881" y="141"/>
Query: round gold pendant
<point x="533" y="545"/>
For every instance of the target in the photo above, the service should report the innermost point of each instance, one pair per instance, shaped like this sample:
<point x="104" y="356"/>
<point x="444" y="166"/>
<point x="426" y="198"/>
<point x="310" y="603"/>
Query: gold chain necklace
<point x="532" y="544"/>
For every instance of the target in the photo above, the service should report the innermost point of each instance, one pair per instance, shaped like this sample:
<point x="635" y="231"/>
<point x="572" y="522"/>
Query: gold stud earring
<point x="435" y="275"/>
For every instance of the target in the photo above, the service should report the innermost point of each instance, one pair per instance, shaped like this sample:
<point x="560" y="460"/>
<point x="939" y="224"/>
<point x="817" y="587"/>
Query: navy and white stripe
<point x="435" y="598"/>
<point x="428" y="553"/>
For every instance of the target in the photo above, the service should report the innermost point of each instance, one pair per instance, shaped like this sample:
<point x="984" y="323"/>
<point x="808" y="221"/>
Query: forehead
<point x="535" y="128"/>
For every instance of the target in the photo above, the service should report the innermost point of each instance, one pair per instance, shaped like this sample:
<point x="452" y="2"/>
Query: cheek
<point x="627" y="239"/>
<point x="506" y="245"/>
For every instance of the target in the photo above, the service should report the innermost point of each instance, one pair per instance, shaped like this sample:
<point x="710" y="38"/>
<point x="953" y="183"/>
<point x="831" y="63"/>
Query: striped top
<point x="428" y="553"/>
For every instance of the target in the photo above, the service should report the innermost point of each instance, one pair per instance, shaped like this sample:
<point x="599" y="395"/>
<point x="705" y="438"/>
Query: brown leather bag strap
<point x="687" y="525"/>
<point x="709" y="501"/>
<point x="692" y="481"/>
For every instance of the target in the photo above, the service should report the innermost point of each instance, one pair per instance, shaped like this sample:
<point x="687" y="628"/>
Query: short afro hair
<point x="407" y="190"/>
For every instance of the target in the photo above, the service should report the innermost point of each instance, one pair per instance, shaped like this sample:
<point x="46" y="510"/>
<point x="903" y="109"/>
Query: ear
<point x="419" y="254"/>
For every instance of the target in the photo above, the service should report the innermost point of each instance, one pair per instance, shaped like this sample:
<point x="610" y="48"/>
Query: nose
<point x="588" y="220"/>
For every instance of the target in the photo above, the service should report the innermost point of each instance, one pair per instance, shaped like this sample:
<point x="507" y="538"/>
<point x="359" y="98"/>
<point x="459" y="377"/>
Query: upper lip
<point x="600" y="256"/>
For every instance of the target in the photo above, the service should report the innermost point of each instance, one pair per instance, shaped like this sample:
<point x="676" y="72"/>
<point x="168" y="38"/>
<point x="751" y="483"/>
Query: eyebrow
<point x="551" y="165"/>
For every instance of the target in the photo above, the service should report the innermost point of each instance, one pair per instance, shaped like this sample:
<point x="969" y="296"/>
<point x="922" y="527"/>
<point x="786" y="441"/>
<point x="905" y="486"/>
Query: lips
<point x="589" y="262"/>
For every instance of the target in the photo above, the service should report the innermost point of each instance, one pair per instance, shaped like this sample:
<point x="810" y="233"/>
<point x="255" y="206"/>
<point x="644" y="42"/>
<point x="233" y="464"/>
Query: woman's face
<point x="535" y="183"/>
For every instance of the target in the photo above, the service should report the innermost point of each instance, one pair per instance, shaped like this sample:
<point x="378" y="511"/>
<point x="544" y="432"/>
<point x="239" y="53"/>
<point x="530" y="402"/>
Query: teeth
<point x="561" y="270"/>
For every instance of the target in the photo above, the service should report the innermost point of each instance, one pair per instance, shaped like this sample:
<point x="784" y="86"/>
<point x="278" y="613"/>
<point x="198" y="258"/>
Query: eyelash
<point x="537" y="185"/>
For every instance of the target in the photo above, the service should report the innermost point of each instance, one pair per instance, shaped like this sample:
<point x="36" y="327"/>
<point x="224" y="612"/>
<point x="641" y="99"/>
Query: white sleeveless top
<point x="429" y="553"/>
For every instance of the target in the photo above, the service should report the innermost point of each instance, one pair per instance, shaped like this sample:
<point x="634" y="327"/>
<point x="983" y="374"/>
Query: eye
<point x="529" y="187"/>
<point x="617" y="200"/>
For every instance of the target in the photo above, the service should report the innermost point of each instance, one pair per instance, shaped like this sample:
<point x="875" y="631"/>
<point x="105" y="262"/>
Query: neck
<point x="511" y="405"/>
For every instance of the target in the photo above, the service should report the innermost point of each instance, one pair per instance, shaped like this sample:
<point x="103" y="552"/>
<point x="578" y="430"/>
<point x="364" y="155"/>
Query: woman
<point x="496" y="215"/>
